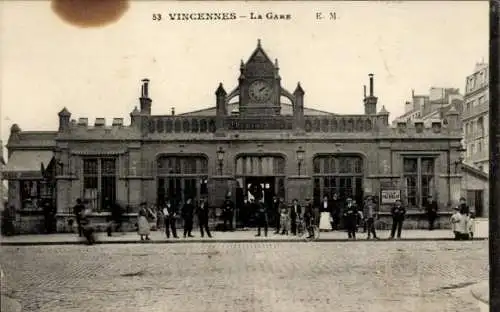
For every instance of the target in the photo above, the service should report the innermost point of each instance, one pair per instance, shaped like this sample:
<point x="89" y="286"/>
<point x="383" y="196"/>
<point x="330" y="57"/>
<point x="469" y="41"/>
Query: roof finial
<point x="259" y="45"/>
<point x="276" y="63"/>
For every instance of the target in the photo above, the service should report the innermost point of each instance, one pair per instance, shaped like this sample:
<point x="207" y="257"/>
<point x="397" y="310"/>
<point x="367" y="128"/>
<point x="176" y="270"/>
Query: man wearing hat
<point x="350" y="217"/>
<point x="309" y="217"/>
<point x="432" y="208"/>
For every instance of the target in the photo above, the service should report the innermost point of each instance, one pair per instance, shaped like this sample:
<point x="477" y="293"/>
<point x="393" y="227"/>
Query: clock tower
<point x="259" y="85"/>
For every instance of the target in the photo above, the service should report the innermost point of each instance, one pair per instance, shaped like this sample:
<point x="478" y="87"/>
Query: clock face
<point x="260" y="91"/>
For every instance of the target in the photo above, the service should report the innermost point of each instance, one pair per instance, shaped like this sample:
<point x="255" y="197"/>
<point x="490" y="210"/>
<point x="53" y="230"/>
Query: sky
<point x="47" y="64"/>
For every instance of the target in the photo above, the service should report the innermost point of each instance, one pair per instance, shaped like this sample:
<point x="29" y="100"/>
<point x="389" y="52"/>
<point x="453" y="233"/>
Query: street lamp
<point x="300" y="158"/>
<point x="220" y="159"/>
<point x="458" y="163"/>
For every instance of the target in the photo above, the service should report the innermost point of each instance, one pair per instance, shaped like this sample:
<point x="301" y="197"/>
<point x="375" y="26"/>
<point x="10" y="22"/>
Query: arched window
<point x="203" y="125"/>
<point x="325" y="124"/>
<point x="169" y="126"/>
<point x="317" y="125"/>
<point x="195" y="127"/>
<point x="152" y="126"/>
<point x="159" y="125"/>
<point x="211" y="126"/>
<point x="177" y="125"/>
<point x="186" y="127"/>
<point x="368" y="125"/>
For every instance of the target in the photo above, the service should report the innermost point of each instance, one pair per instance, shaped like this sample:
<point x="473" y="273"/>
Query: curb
<point x="180" y="241"/>
<point x="481" y="294"/>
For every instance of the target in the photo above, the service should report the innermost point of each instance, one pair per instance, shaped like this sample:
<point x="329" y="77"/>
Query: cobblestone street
<point x="260" y="276"/>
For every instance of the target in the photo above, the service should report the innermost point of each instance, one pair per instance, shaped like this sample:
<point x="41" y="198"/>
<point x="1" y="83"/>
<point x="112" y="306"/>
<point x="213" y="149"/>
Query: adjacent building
<point x="3" y="189"/>
<point x="432" y="106"/>
<point x="475" y="118"/>
<point x="259" y="140"/>
<point x="473" y="109"/>
<point x="475" y="122"/>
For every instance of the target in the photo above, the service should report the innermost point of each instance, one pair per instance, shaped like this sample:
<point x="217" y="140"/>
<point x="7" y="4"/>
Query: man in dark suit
<point x="202" y="212"/>
<point x="350" y="218"/>
<point x="295" y="213"/>
<point x="187" y="215"/>
<point x="432" y="209"/>
<point x="262" y="221"/>
<point x="398" y="215"/>
<point x="78" y="210"/>
<point x="335" y="205"/>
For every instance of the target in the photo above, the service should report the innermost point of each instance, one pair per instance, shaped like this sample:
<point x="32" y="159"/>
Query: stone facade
<point x="222" y="149"/>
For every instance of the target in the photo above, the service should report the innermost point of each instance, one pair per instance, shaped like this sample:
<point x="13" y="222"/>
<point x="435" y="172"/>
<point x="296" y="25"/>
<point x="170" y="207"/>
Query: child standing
<point x="284" y="217"/>
<point x="455" y="219"/>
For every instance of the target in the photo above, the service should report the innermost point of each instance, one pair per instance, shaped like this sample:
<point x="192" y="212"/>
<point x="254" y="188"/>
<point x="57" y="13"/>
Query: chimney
<point x="364" y="92"/>
<point x="371" y="84"/>
<point x="144" y="100"/>
<point x="173" y="111"/>
<point x="412" y="93"/>
<point x="145" y="88"/>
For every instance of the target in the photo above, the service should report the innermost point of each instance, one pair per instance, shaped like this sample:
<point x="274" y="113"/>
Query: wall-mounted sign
<point x="389" y="196"/>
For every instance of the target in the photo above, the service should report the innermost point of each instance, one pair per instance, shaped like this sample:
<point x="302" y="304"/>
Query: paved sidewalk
<point x="236" y="236"/>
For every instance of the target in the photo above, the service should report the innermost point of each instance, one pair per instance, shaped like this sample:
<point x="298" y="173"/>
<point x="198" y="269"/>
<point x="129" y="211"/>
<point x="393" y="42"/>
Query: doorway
<point x="261" y="189"/>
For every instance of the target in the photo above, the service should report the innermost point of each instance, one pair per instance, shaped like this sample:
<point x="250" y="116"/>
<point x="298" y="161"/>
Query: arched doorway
<point x="260" y="178"/>
<point x="338" y="174"/>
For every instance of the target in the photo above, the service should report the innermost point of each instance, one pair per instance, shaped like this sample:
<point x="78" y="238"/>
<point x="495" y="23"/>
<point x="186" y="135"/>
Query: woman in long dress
<point x="325" y="222"/>
<point x="143" y="223"/>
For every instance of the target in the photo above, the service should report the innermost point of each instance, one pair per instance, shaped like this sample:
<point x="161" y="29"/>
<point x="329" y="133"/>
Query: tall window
<point x="182" y="177"/>
<point x="342" y="175"/>
<point x="480" y="126"/>
<point x="30" y="194"/>
<point x="99" y="182"/>
<point x="419" y="179"/>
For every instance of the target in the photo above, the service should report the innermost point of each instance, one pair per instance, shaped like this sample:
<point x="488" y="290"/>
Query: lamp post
<point x="220" y="159"/>
<point x="300" y="158"/>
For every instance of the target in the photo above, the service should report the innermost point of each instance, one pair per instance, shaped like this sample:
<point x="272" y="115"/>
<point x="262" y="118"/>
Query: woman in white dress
<point x="325" y="222"/>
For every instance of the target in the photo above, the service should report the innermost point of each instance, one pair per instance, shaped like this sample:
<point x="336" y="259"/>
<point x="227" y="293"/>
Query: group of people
<point x="462" y="221"/>
<point x="327" y="216"/>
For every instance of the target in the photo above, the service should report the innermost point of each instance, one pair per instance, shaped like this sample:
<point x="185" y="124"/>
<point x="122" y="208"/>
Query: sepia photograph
<point x="246" y="156"/>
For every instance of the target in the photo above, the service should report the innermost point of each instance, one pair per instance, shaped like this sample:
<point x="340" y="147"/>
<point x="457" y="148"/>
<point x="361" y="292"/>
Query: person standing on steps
<point x="187" y="215"/>
<point x="202" y="212"/>
<point x="261" y="217"/>
<point x="431" y="208"/>
<point x="78" y="210"/>
<point x="398" y="216"/>
<point x="228" y="212"/>
<point x="350" y="218"/>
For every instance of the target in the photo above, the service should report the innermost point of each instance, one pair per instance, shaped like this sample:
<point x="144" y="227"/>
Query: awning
<point x="28" y="161"/>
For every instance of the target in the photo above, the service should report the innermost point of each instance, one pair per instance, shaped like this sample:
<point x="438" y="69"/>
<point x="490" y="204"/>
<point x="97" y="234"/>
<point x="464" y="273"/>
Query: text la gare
<point x="270" y="16"/>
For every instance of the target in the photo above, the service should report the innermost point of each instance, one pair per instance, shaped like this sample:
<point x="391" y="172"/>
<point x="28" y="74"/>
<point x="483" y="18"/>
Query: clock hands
<point x="262" y="89"/>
